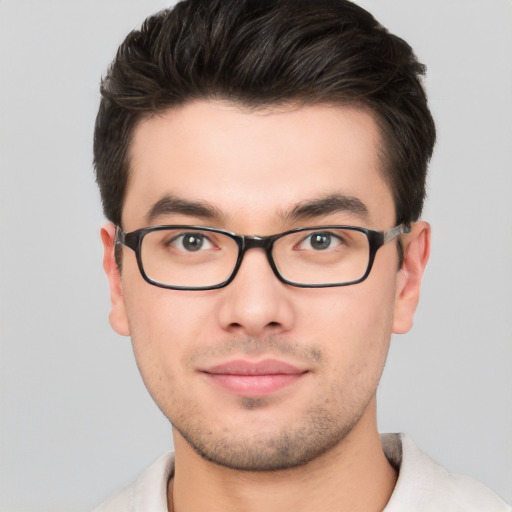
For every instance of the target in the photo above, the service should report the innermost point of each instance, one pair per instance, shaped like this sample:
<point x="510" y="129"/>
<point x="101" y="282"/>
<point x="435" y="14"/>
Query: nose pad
<point x="256" y="302"/>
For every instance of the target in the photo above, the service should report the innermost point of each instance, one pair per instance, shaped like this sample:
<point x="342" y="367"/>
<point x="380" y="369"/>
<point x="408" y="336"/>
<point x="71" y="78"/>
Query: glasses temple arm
<point x="397" y="230"/>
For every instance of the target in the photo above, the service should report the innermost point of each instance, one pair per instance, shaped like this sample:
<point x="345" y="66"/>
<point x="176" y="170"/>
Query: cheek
<point x="166" y="328"/>
<point x="353" y="313"/>
<point x="163" y="329"/>
<point x="164" y="319"/>
<point x="354" y="324"/>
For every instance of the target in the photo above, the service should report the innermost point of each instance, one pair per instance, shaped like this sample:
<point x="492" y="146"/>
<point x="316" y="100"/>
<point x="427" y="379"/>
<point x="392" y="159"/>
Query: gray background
<point x="76" y="421"/>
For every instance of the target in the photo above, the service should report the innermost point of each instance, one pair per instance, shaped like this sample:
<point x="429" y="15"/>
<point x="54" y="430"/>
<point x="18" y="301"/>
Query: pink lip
<point x="254" y="379"/>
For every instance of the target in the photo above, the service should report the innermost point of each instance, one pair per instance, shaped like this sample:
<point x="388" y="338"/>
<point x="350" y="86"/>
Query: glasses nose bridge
<point x="257" y="242"/>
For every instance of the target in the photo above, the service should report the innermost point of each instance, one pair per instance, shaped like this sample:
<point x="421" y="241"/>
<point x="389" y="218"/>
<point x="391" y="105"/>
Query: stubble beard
<point x="273" y="450"/>
<point x="321" y="427"/>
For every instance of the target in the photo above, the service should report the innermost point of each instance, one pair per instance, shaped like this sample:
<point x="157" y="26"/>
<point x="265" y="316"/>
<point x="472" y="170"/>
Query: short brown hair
<point x="261" y="53"/>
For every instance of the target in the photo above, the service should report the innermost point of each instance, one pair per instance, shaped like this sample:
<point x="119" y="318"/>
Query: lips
<point x="254" y="379"/>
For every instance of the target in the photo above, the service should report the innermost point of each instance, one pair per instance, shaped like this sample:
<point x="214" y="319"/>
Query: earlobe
<point x="408" y="284"/>
<point x="118" y="318"/>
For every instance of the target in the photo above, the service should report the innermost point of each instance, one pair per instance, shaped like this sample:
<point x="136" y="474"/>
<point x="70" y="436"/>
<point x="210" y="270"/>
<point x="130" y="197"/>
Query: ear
<point x="118" y="318"/>
<point x="408" y="281"/>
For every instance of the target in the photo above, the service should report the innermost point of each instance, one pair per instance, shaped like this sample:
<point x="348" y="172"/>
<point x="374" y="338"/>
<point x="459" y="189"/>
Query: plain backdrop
<point x="76" y="420"/>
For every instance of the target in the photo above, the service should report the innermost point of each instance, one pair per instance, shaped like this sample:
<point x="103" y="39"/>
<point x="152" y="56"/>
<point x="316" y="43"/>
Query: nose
<point x="256" y="303"/>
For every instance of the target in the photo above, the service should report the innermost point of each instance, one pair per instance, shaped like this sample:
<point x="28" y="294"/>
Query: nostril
<point x="236" y="326"/>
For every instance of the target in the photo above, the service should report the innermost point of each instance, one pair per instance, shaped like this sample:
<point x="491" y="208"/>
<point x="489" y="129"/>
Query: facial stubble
<point x="317" y="430"/>
<point x="272" y="451"/>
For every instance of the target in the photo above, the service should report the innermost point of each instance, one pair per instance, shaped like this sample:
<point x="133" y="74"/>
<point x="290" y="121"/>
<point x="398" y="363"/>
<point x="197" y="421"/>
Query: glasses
<point x="204" y="258"/>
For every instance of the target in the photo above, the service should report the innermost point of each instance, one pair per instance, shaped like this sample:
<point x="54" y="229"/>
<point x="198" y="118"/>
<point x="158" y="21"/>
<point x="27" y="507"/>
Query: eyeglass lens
<point x="195" y="258"/>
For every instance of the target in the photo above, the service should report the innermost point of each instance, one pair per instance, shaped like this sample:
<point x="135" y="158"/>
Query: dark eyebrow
<point x="171" y="204"/>
<point x="332" y="203"/>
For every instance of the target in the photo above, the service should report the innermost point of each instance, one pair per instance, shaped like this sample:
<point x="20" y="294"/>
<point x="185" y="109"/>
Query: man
<point x="262" y="166"/>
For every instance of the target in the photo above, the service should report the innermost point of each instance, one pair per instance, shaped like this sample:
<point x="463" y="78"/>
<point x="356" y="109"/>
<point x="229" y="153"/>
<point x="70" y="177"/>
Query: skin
<point x="319" y="434"/>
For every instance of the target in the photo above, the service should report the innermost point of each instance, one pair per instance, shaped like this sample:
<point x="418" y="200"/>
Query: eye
<point x="191" y="242"/>
<point x="320" y="241"/>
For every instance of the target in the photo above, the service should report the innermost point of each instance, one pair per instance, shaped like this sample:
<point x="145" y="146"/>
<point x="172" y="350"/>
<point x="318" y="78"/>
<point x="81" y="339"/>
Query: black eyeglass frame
<point x="376" y="239"/>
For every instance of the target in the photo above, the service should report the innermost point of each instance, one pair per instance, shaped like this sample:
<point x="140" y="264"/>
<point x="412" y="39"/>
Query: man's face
<point x="259" y="375"/>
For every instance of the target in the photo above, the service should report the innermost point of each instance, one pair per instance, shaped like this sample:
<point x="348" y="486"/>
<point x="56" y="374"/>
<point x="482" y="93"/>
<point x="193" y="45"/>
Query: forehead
<point x="248" y="163"/>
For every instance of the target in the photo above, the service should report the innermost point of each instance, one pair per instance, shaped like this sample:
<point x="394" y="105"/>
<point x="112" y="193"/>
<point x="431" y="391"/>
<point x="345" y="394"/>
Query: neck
<point x="353" y="476"/>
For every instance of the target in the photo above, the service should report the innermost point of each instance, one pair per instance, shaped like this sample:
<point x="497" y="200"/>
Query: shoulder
<point x="147" y="494"/>
<point x="425" y="486"/>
